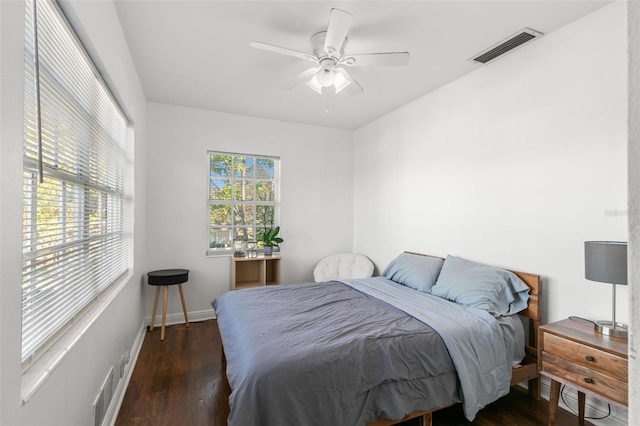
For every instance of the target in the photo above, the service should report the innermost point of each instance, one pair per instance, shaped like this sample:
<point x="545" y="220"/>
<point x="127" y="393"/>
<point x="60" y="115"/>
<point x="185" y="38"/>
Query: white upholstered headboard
<point x="343" y="266"/>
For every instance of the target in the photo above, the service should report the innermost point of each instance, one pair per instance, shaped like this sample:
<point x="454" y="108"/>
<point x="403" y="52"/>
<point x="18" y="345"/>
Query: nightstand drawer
<point x="587" y="356"/>
<point x="584" y="377"/>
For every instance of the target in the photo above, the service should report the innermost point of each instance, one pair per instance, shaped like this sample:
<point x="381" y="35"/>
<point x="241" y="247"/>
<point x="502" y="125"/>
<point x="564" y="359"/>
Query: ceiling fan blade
<point x="303" y="76"/>
<point x="339" y="23"/>
<point x="352" y="88"/>
<point x="390" y="59"/>
<point x="283" y="51"/>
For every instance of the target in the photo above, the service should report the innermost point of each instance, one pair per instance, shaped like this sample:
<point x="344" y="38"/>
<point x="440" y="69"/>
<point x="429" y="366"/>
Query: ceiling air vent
<point x="507" y="45"/>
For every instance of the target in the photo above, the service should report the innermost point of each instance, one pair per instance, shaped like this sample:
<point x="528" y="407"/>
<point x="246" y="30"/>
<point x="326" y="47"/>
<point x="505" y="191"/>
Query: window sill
<point x="38" y="372"/>
<point x="218" y="253"/>
<point x="230" y="254"/>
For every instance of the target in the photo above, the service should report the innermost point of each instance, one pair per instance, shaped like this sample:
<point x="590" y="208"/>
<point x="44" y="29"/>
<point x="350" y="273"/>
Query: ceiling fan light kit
<point x="328" y="54"/>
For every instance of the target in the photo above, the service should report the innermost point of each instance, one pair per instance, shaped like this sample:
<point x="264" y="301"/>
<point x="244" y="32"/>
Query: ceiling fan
<point x="328" y="54"/>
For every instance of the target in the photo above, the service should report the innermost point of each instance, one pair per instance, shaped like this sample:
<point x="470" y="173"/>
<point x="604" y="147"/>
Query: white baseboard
<point x="593" y="407"/>
<point x="123" y="383"/>
<point x="178" y="318"/>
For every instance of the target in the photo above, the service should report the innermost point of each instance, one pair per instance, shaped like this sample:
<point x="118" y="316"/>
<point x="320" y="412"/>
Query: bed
<point x="376" y="351"/>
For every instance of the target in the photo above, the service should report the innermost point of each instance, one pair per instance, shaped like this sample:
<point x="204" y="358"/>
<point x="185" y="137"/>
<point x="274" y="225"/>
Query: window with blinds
<point x="243" y="198"/>
<point x="75" y="179"/>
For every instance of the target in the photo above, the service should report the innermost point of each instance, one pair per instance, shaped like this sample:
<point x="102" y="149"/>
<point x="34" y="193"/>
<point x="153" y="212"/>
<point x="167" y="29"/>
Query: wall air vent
<point x="103" y="399"/>
<point x="507" y="45"/>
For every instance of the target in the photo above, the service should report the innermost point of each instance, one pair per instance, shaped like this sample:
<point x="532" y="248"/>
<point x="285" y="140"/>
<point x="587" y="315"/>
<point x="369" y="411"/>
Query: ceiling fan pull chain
<point x="327" y="107"/>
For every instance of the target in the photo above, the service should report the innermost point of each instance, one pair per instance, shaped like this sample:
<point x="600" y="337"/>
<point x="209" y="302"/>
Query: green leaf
<point x="269" y="236"/>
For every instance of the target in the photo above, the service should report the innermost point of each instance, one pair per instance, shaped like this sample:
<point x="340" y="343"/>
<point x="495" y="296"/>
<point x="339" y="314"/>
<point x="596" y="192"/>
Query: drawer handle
<point x="588" y="379"/>
<point x="589" y="358"/>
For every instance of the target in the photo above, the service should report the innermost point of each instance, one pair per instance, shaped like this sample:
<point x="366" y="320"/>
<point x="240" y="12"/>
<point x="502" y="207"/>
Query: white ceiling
<point x="196" y="53"/>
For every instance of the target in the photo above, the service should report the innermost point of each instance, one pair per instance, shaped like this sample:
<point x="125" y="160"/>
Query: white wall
<point x="423" y="176"/>
<point x="516" y="165"/>
<point x="66" y="396"/>
<point x="316" y="195"/>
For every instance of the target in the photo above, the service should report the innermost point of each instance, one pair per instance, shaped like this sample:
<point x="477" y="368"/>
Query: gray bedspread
<point x="327" y="354"/>
<point x="476" y="341"/>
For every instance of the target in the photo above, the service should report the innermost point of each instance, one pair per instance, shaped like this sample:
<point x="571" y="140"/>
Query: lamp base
<point x="608" y="328"/>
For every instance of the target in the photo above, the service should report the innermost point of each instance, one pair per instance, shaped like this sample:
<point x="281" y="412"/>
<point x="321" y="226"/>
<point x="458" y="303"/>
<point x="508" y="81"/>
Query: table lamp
<point x="606" y="262"/>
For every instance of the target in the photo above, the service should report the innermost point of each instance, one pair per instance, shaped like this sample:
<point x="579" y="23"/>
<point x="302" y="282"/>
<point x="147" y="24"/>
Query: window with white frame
<point x="243" y="198"/>
<point x="76" y="212"/>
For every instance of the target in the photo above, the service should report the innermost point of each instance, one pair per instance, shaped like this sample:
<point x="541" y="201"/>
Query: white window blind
<point x="243" y="198"/>
<point x="75" y="240"/>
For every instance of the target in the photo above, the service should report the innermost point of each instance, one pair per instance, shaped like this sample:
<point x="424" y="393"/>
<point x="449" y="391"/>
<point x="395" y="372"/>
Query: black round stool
<point x="167" y="277"/>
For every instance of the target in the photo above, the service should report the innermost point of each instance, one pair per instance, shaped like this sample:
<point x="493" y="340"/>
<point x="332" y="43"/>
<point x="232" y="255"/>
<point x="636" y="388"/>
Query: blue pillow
<point x="415" y="271"/>
<point x="485" y="287"/>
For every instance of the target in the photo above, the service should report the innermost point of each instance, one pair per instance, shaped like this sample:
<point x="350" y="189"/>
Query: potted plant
<point x="270" y="239"/>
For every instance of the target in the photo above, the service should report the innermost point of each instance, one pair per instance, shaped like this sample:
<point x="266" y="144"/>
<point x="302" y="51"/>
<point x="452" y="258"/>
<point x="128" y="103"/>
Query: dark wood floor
<point x="180" y="382"/>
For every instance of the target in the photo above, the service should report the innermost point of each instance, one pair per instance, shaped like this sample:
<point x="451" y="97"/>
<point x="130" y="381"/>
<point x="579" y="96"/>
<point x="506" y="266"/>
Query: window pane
<point x="264" y="215"/>
<point x="244" y="215"/>
<point x="245" y="233"/>
<point x="265" y="168"/>
<point x="220" y="165"/>
<point x="265" y="190"/>
<point x="243" y="190"/>
<point x="220" y="238"/>
<point x="219" y="189"/>
<point x="243" y="167"/>
<point x="52" y="196"/>
<point x="219" y="214"/>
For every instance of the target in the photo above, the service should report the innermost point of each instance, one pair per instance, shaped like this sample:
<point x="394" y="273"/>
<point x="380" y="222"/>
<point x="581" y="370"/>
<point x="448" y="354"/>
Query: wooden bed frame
<point x="527" y="370"/>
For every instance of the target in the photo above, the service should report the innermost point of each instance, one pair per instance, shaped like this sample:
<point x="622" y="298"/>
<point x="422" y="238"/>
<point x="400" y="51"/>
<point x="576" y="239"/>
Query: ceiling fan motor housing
<point x="317" y="46"/>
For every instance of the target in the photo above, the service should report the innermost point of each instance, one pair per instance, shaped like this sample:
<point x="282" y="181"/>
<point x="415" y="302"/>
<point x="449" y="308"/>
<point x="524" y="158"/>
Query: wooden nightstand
<point x="571" y="352"/>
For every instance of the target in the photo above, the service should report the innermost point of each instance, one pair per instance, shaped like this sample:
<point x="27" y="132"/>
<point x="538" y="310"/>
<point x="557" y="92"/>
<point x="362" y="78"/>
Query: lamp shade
<point x="606" y="261"/>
